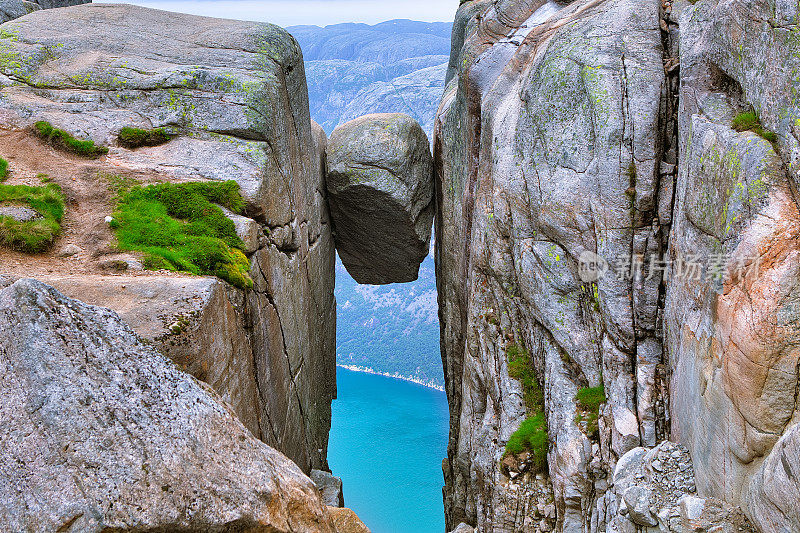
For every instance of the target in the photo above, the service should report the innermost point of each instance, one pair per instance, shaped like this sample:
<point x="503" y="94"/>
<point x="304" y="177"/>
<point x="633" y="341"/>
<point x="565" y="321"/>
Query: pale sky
<point x="318" y="12"/>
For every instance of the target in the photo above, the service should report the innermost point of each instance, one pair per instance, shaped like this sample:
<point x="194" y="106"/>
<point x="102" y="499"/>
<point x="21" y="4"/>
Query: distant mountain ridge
<point x="355" y="69"/>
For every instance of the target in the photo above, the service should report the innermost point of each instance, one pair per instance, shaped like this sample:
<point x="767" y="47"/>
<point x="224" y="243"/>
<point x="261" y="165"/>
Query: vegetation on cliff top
<point x="532" y="433"/>
<point x="32" y="235"/>
<point x="65" y="141"/>
<point x="136" y="138"/>
<point x="180" y="227"/>
<point x="3" y="169"/>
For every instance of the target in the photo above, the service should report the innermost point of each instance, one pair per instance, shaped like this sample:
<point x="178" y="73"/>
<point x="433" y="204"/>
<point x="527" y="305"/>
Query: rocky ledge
<point x="100" y="432"/>
<point x="229" y="100"/>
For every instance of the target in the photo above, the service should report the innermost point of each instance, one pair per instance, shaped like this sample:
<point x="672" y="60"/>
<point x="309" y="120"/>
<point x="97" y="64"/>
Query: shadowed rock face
<point x="100" y="432"/>
<point x="380" y="190"/>
<point x="234" y="94"/>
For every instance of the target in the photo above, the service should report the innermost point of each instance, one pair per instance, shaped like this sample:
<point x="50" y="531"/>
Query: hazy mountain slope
<point x="395" y="66"/>
<point x="391" y="328"/>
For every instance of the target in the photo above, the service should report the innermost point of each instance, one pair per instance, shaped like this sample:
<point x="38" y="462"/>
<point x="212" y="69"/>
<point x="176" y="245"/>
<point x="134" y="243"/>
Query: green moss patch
<point x="589" y="400"/>
<point x="136" y="138"/>
<point x="750" y="122"/>
<point x="532" y="437"/>
<point x="3" y="169"/>
<point x="178" y="227"/>
<point x="532" y="434"/>
<point x="66" y="142"/>
<point x="33" y="236"/>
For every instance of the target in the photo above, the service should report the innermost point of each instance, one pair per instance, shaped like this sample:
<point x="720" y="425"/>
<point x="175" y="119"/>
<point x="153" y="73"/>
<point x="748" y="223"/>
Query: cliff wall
<point x="600" y="221"/>
<point x="233" y="97"/>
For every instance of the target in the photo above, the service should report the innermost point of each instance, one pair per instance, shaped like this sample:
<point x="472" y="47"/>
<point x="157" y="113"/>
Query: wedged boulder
<point x="100" y="432"/>
<point x="380" y="190"/>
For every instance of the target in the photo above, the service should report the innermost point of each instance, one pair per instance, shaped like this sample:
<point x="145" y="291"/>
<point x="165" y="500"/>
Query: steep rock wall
<point x="234" y="94"/>
<point x="549" y="145"/>
<point x="733" y="337"/>
<point x="564" y="142"/>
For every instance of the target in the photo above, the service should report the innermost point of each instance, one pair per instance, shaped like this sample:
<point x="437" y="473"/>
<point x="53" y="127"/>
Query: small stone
<point x="329" y="486"/>
<point x="69" y="250"/>
<point x="20" y="214"/>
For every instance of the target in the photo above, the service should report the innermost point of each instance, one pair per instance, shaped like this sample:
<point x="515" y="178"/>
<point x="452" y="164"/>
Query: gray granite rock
<point x="13" y="9"/>
<point x="235" y="95"/>
<point x="380" y="190"/>
<point x="101" y="432"/>
<point x="772" y="498"/>
<point x="330" y="487"/>
<point x="20" y="214"/>
<point x="731" y="333"/>
<point x="549" y="144"/>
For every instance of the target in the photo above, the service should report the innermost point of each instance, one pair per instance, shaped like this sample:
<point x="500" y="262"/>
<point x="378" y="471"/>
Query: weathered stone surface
<point x="731" y="332"/>
<point x="103" y="433"/>
<point x="549" y="144"/>
<point x="235" y="95"/>
<point x="772" y="498"/>
<point x="346" y="521"/>
<point x="197" y="322"/>
<point x="380" y="187"/>
<point x="329" y="486"/>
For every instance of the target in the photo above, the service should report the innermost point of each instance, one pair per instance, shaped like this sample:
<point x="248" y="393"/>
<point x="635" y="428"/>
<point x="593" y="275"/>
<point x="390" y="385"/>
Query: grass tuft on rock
<point x="33" y="236"/>
<point x="136" y="138"/>
<point x="589" y="400"/>
<point x="531" y="437"/>
<point x="63" y="140"/>
<point x="532" y="434"/>
<point x="3" y="169"/>
<point x="180" y="227"/>
<point x="749" y="121"/>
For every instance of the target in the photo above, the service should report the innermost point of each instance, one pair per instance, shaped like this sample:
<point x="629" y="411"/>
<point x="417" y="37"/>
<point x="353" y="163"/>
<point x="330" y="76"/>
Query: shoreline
<point x="396" y="375"/>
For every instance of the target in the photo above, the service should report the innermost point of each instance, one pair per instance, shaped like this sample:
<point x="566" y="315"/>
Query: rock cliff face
<point x="617" y="231"/>
<point x="234" y="95"/>
<point x="103" y="433"/>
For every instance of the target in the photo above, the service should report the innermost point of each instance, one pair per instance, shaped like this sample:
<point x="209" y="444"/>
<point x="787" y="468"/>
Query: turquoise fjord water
<point x="387" y="443"/>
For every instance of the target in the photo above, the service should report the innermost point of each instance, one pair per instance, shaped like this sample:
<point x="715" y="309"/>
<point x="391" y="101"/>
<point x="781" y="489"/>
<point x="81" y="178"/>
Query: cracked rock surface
<point x="571" y="130"/>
